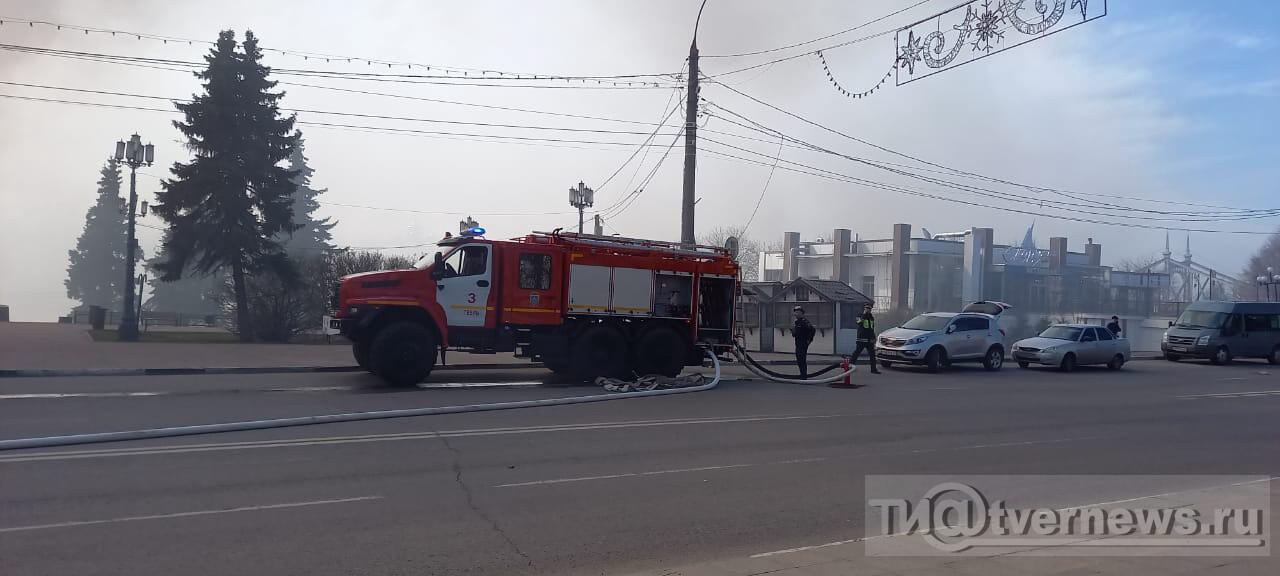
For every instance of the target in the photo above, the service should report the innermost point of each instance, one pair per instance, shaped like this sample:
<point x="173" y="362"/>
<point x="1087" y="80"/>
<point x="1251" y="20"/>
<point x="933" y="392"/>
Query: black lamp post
<point x="135" y="154"/>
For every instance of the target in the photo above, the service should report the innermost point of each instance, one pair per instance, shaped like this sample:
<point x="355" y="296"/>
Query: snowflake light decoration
<point x="909" y="54"/>
<point x="987" y="27"/>
<point x="1084" y="7"/>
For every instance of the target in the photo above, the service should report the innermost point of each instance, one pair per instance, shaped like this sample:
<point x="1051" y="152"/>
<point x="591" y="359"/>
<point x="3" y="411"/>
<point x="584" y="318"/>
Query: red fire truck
<point x="581" y="304"/>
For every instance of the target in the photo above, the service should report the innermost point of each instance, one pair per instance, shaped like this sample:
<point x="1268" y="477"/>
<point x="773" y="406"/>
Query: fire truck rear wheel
<point x="599" y="351"/>
<point x="403" y="353"/>
<point x="660" y="351"/>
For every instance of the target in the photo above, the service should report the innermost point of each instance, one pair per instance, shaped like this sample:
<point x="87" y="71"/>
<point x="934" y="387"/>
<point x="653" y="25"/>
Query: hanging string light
<point x="845" y="92"/>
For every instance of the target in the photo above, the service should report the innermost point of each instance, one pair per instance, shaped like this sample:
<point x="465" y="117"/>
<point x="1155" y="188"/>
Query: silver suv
<point x="937" y="339"/>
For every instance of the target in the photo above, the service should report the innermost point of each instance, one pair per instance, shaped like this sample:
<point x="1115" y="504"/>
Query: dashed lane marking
<point x="325" y="440"/>
<point x="1222" y="395"/>
<point x="76" y="523"/>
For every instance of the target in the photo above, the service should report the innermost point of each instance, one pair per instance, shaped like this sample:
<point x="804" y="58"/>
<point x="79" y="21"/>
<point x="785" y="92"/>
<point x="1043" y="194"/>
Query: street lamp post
<point x="135" y="154"/>
<point x="1272" y="281"/>
<point x="581" y="198"/>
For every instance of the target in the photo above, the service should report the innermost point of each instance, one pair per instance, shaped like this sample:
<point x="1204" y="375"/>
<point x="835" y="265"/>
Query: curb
<point x="42" y="373"/>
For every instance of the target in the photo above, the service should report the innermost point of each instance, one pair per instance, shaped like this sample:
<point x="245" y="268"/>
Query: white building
<point x="941" y="272"/>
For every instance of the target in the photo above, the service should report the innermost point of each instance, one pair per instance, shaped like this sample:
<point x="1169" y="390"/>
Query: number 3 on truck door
<point x="465" y="295"/>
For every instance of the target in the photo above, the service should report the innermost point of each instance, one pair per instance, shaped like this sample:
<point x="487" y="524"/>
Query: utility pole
<point x="134" y="154"/>
<point x="599" y="225"/>
<point x="691" y="138"/>
<point x="581" y="198"/>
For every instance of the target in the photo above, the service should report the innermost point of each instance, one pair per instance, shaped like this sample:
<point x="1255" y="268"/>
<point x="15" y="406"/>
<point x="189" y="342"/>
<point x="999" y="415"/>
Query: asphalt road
<point x="602" y="488"/>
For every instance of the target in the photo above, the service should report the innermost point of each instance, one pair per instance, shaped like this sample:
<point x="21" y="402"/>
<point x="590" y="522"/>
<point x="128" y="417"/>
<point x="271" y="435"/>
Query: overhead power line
<point x="337" y="113"/>
<point x="317" y="56"/>
<point x="481" y="81"/>
<point x="881" y="34"/>
<point x="903" y="154"/>
<point x="821" y="38"/>
<point x="872" y="184"/>
<point x="1009" y="197"/>
<point x="912" y="172"/>
<point x="417" y="211"/>
<point x="358" y="127"/>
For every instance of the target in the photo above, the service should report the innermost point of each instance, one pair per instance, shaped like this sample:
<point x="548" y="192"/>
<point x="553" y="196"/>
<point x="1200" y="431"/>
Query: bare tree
<point x="1267" y="255"/>
<point x="748" y="249"/>
<point x="1138" y="263"/>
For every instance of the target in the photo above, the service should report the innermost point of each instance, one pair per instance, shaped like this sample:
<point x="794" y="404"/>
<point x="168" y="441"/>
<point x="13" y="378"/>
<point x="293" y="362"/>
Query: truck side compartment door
<point x="533" y="286"/>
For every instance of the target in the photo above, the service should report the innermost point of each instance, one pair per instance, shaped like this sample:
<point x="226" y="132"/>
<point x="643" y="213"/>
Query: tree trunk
<point x="244" y="322"/>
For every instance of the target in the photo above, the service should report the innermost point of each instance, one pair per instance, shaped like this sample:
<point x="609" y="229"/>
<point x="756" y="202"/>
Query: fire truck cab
<point x="581" y="304"/>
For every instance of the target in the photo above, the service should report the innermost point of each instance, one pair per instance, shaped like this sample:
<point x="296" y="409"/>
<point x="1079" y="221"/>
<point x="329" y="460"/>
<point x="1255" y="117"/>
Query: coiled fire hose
<point x="741" y="354"/>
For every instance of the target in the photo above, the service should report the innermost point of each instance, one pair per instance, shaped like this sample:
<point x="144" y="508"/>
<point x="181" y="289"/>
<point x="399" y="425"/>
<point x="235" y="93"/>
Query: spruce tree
<point x="311" y="237"/>
<point x="194" y="294"/>
<point x="227" y="208"/>
<point x="95" y="274"/>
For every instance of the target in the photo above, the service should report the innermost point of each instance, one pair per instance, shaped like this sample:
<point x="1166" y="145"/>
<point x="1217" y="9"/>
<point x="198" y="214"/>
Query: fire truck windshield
<point x="427" y="260"/>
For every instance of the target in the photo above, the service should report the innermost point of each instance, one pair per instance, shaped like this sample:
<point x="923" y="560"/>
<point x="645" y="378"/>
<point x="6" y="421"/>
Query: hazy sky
<point x="1160" y="99"/>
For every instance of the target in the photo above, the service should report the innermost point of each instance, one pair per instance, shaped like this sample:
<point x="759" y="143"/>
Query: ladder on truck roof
<point x="667" y="247"/>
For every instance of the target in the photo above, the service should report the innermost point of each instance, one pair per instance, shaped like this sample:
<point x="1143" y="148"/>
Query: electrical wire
<point x="1029" y="187"/>
<point x="1010" y="196"/>
<point x="356" y="127"/>
<point x="338" y="113"/>
<point x="414" y="210"/>
<point x="460" y="103"/>
<point x="872" y="184"/>
<point x="178" y="65"/>
<point x="819" y="39"/>
<point x="715" y="77"/>
<point x="308" y="55"/>
<point x="776" y="158"/>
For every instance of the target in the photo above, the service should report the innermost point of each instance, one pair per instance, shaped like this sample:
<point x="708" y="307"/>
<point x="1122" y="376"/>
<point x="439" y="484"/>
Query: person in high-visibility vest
<point x="866" y="337"/>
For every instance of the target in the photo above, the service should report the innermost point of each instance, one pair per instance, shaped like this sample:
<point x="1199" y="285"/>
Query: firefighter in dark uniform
<point x="866" y="338"/>
<point x="802" y="330"/>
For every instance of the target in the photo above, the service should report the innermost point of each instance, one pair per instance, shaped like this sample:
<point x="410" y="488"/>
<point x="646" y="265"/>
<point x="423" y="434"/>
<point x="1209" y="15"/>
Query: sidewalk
<point x="32" y="346"/>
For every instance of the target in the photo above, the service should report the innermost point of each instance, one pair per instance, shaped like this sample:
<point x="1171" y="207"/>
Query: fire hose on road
<point x="175" y="431"/>
<point x="767" y="374"/>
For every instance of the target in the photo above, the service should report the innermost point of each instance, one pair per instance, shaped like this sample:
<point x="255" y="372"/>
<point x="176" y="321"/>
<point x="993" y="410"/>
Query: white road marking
<point x="1249" y="394"/>
<point x="1034" y="542"/>
<point x="187" y="514"/>
<point x="796" y="461"/>
<point x="63" y="395"/>
<point x="804" y="548"/>
<point x="324" y="440"/>
<point x="655" y="473"/>
<point x="55" y="395"/>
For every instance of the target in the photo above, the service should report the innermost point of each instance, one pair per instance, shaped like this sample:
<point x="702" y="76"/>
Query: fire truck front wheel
<point x="360" y="349"/>
<point x="403" y="353"/>
<point x="599" y="350"/>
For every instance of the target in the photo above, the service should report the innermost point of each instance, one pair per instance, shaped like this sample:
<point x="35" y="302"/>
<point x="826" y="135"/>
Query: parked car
<point x="1221" y="331"/>
<point x="995" y="309"/>
<point x="1069" y="345"/>
<point x="938" y="339"/>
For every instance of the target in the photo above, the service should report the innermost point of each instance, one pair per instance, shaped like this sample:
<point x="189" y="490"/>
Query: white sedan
<point x="1069" y="345"/>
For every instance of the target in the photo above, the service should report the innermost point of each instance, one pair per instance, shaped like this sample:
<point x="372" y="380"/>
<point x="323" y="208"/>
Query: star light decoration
<point x="909" y="53"/>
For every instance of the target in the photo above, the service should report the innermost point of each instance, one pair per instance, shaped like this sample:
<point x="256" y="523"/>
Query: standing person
<point x="1114" y="326"/>
<point x="866" y="337"/>
<point x="802" y="330"/>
